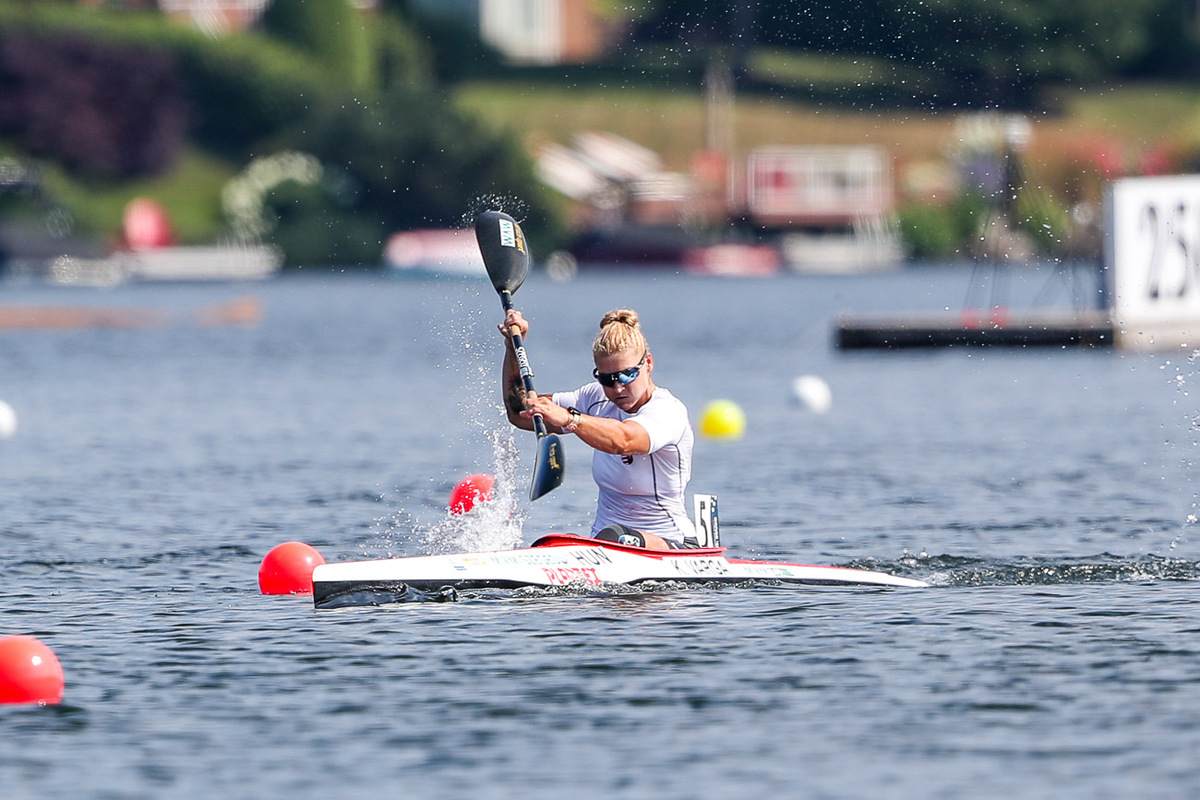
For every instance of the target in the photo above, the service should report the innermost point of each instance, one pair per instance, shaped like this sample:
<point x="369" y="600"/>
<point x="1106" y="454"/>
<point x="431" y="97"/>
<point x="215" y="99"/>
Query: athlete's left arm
<point x="613" y="435"/>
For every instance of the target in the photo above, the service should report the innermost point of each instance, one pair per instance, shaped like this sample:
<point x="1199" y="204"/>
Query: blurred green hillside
<point x="1083" y="137"/>
<point x="415" y="124"/>
<point x="112" y="105"/>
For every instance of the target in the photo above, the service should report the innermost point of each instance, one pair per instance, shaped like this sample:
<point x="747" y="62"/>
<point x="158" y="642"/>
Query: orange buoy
<point x="469" y="491"/>
<point x="288" y="569"/>
<point x="29" y="672"/>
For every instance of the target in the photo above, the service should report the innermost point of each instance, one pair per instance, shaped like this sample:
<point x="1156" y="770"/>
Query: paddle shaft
<point x="522" y="360"/>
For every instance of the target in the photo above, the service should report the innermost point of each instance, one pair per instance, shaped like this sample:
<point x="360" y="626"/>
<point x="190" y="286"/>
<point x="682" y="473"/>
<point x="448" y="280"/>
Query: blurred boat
<point x="866" y="245"/>
<point x="447" y="252"/>
<point x="733" y="260"/>
<point x="643" y="246"/>
<point x="664" y="247"/>
<point x="225" y="262"/>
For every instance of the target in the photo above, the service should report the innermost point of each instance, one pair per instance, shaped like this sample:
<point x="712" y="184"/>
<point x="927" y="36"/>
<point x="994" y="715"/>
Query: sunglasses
<point x="624" y="377"/>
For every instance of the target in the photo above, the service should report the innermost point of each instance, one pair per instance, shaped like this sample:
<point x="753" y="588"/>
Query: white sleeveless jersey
<point x="643" y="492"/>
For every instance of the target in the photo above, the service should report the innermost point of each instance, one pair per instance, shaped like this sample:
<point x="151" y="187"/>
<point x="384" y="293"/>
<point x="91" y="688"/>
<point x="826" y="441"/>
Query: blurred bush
<point x="331" y="32"/>
<point x="407" y="161"/>
<point x="929" y="231"/>
<point x="97" y="108"/>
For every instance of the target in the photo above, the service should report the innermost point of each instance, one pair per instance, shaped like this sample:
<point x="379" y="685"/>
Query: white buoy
<point x="813" y="393"/>
<point x="8" y="420"/>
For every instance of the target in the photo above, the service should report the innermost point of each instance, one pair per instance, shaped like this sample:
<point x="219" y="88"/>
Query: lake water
<point x="1046" y="494"/>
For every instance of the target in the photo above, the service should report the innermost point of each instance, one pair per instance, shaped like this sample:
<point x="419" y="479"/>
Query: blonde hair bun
<point x="624" y="337"/>
<point x="625" y="316"/>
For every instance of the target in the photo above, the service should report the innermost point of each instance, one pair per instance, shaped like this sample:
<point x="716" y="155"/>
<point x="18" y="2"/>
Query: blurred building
<point x="533" y="31"/>
<point x="827" y="209"/>
<point x="832" y="208"/>
<point x="211" y="16"/>
<point x="801" y="187"/>
<point x="525" y="31"/>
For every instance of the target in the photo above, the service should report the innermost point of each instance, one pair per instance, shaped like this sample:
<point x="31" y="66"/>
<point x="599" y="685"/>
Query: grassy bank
<point x="192" y="192"/>
<point x="1091" y="135"/>
<point x="1126" y="120"/>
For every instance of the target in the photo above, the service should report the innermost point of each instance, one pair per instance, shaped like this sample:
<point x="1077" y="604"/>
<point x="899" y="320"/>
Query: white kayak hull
<point x="563" y="560"/>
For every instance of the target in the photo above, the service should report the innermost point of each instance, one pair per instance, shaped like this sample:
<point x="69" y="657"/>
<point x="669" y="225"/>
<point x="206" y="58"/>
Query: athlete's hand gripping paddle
<point x="506" y="257"/>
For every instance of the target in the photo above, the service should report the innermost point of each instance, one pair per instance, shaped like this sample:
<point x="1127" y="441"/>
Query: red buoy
<point x="288" y="569"/>
<point x="29" y="672"/>
<point x="469" y="491"/>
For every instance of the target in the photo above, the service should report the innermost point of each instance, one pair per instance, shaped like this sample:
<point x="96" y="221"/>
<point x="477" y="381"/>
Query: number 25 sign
<point x="1153" y="251"/>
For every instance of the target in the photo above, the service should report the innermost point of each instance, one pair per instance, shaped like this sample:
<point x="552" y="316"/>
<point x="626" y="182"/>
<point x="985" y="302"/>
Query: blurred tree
<point x="315" y="227"/>
<point x="331" y="31"/>
<point x="985" y="53"/>
<point x="456" y="50"/>
<point x="407" y="161"/>
<point x="1175" y="42"/>
<point x="974" y="52"/>
<point x="111" y="94"/>
<point x="99" y="109"/>
<point x="402" y="59"/>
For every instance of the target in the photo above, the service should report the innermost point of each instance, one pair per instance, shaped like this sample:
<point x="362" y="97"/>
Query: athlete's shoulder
<point x="663" y="397"/>
<point x="591" y="397"/>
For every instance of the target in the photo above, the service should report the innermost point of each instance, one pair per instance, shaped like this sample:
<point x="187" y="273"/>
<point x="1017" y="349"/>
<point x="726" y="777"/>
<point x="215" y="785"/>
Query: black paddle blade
<point x="549" y="468"/>
<point x="505" y="253"/>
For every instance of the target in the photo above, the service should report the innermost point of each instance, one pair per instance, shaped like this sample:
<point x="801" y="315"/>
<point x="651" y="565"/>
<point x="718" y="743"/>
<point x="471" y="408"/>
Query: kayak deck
<point x="564" y="560"/>
<point x="571" y="540"/>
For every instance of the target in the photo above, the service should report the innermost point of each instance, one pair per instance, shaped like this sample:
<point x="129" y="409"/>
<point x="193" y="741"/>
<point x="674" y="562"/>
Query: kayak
<point x="565" y="560"/>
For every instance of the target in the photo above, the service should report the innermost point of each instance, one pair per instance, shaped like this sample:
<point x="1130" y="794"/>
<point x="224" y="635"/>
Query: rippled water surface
<point x="1046" y="495"/>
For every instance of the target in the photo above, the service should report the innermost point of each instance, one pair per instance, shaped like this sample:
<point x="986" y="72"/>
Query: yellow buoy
<point x="722" y="419"/>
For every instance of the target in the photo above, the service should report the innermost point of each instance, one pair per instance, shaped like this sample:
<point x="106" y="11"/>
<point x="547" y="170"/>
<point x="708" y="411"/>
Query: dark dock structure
<point x="1092" y="328"/>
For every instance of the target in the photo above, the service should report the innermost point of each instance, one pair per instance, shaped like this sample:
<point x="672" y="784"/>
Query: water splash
<point x="494" y="525"/>
<point x="1180" y="382"/>
<point x="649" y="590"/>
<point x="515" y="207"/>
<point x="948" y="570"/>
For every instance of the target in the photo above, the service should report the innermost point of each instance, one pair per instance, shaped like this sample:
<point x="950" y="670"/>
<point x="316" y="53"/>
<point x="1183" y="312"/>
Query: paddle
<point x="506" y="257"/>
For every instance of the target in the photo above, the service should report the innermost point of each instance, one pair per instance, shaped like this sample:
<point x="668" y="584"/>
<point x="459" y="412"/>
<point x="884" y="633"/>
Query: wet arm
<point x="513" y="389"/>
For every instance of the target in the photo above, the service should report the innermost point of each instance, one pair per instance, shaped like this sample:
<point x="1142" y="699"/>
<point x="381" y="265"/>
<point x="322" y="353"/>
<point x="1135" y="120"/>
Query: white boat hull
<point x="564" y="561"/>
<point x="450" y="253"/>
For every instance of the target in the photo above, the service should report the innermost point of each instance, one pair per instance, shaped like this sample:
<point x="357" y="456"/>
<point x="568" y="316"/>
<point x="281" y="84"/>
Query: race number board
<point x="1152" y="259"/>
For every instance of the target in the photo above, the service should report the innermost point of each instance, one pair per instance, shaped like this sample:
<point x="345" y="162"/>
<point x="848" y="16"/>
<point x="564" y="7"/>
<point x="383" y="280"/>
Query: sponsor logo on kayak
<point x="552" y="557"/>
<point x="532" y="559"/>
<point x="699" y="567"/>
<point x="592" y="555"/>
<point x="561" y="576"/>
<point x="767" y="570"/>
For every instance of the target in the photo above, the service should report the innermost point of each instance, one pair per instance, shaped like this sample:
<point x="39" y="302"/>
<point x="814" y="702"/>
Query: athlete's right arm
<point x="512" y="386"/>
